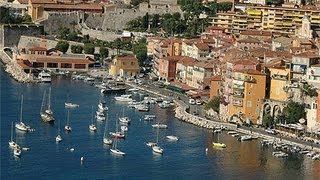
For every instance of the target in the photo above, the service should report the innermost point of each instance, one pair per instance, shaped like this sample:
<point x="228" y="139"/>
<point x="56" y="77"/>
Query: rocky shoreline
<point x="18" y="74"/>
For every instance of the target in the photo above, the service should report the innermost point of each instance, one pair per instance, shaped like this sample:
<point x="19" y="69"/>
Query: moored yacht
<point x="44" y="77"/>
<point x="124" y="98"/>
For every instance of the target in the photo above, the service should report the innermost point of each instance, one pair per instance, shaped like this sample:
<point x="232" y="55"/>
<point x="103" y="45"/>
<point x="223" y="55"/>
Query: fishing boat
<point x="218" y="144"/>
<point x="47" y="114"/>
<point x="173" y="138"/>
<point x="160" y="126"/>
<point x="156" y="148"/>
<point x="13" y="144"/>
<point x="21" y="125"/>
<point x="106" y="140"/>
<point x="44" y="77"/>
<point x="67" y="127"/>
<point x="116" y="151"/>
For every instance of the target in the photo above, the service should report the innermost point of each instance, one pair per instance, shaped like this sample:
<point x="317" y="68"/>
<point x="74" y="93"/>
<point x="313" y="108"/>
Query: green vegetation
<point x="104" y="52"/>
<point x="292" y="112"/>
<point x="62" y="46"/>
<point x="267" y="121"/>
<point x="6" y="17"/>
<point x="224" y="6"/>
<point x="76" y="49"/>
<point x="213" y="104"/>
<point x="88" y="48"/>
<point x="140" y="51"/>
<point x="309" y="90"/>
<point x="275" y="2"/>
<point x="137" y="2"/>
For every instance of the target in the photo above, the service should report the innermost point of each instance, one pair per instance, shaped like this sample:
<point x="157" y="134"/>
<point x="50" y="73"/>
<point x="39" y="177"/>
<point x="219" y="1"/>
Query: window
<point x="249" y="103"/>
<point x="278" y="91"/>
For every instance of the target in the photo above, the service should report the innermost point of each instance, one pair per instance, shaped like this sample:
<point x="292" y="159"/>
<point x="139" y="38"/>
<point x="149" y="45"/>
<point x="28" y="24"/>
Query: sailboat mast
<point x="43" y="98"/>
<point x="21" y="107"/>
<point x="157" y="134"/>
<point x="68" y="118"/>
<point x="11" y="130"/>
<point x="49" y="99"/>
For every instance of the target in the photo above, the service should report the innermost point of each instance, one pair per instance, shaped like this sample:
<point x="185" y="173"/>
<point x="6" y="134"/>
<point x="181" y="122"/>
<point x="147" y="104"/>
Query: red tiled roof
<point x="256" y="33"/>
<point x="186" y="60"/>
<point x="246" y="62"/>
<point x="203" y="64"/>
<point x="23" y="65"/>
<point x="172" y="58"/>
<point x="43" y="2"/>
<point x="59" y="59"/>
<point x="252" y="71"/>
<point x="126" y="58"/>
<point x="216" y="78"/>
<point x="202" y="46"/>
<point x="307" y="55"/>
<point x="248" y="40"/>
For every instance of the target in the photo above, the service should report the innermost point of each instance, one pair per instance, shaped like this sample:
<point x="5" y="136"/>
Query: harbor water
<point x="186" y="158"/>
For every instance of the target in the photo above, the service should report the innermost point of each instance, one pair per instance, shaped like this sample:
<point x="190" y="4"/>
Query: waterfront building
<point x="195" y="48"/>
<point x="202" y="72"/>
<point x="181" y="68"/>
<point x="167" y="67"/>
<point x="248" y="93"/>
<point x="125" y="66"/>
<point x="40" y="58"/>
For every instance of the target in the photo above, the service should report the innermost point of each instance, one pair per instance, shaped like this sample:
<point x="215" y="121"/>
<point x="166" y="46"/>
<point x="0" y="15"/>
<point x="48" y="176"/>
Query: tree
<point x="213" y="104"/>
<point x="104" y="52"/>
<point x="293" y="112"/>
<point x="224" y="6"/>
<point x="88" y="48"/>
<point x="145" y="21"/>
<point x="76" y="49"/>
<point x="63" y="32"/>
<point x="140" y="51"/>
<point x="86" y="38"/>
<point x="155" y="21"/>
<point x="309" y="90"/>
<point x="72" y="36"/>
<point x="267" y="121"/>
<point x="274" y="2"/>
<point x="62" y="46"/>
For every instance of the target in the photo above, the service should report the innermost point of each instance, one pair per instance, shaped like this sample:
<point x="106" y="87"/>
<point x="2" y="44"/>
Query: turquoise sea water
<point x="185" y="159"/>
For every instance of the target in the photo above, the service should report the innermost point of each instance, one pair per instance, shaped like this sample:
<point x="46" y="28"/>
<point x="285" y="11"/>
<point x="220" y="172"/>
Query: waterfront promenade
<point x="182" y="114"/>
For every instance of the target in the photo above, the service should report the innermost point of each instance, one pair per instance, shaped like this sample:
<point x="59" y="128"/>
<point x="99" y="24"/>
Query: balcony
<point x="238" y="94"/>
<point x="238" y="87"/>
<point x="237" y="102"/>
<point x="299" y="70"/>
<point x="250" y="79"/>
<point x="279" y="77"/>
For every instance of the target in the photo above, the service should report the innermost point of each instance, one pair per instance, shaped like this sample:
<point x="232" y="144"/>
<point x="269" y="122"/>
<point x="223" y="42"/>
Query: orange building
<point x="215" y="86"/>
<point x="167" y="67"/>
<point x="248" y="93"/>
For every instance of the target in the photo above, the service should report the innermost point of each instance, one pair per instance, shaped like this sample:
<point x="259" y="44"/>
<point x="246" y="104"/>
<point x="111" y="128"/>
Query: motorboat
<point x="164" y="104"/>
<point x="89" y="79"/>
<point x="217" y="131"/>
<point x="173" y="138"/>
<point x="117" y="135"/>
<point x="70" y="105"/>
<point x="113" y="89"/>
<point x="133" y="90"/>
<point x="100" y="118"/>
<point x="67" y="128"/>
<point x="44" y="77"/>
<point x="102" y="107"/>
<point x="279" y="154"/>
<point x="150" y="144"/>
<point x="245" y="138"/>
<point x="106" y="140"/>
<point x="58" y="138"/>
<point x="117" y="152"/>
<point x="160" y="126"/>
<point x="124" y="98"/>
<point x="17" y="152"/>
<point x="124" y="128"/>
<point x="100" y="113"/>
<point x="157" y="149"/>
<point x="149" y="117"/>
<point x="231" y="132"/>
<point x="218" y="145"/>
<point x="124" y="120"/>
<point x="13" y="144"/>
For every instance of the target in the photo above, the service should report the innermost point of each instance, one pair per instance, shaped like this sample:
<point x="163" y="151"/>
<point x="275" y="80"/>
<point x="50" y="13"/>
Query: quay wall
<point x="10" y="34"/>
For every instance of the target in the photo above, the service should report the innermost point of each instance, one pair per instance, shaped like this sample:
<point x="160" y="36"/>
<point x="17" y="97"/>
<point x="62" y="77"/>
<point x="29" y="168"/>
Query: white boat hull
<point x="107" y="141"/>
<point x="157" y="149"/>
<point x="117" y="152"/>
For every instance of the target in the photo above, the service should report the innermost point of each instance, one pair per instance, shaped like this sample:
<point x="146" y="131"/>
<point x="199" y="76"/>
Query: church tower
<point x="305" y="30"/>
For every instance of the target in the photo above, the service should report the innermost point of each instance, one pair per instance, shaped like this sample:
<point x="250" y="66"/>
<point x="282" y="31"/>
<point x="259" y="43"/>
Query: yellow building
<point x="124" y="66"/>
<point x="248" y="93"/>
<point x="278" y="80"/>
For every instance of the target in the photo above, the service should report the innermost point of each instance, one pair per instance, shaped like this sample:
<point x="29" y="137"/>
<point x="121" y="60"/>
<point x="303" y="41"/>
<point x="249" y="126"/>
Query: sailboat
<point x="17" y="152"/>
<point x="218" y="144"/>
<point x="58" y="137"/>
<point x="102" y="106"/>
<point x="116" y="151"/>
<point x="156" y="148"/>
<point x="22" y="126"/>
<point x="106" y="140"/>
<point x="13" y="144"/>
<point x="46" y="115"/>
<point x="92" y="126"/>
<point x="117" y="134"/>
<point x="67" y="127"/>
<point x="124" y="119"/>
<point x="68" y="104"/>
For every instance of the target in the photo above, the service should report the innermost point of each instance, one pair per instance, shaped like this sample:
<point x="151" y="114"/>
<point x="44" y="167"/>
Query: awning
<point x="238" y="82"/>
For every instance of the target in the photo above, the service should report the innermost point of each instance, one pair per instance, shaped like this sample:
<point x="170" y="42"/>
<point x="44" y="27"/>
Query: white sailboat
<point x="58" y="137"/>
<point x="124" y="119"/>
<point x="67" y="127"/>
<point x="102" y="106"/>
<point x="13" y="144"/>
<point x="117" y="134"/>
<point x="106" y="140"/>
<point x="69" y="104"/>
<point x="116" y="151"/>
<point x="17" y="152"/>
<point x="47" y="115"/>
<point x="156" y="148"/>
<point x="22" y="126"/>
<point x="92" y="126"/>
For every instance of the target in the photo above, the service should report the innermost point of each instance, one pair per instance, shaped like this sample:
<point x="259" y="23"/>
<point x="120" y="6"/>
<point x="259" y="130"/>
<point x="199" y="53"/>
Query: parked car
<point x="271" y="131"/>
<point x="198" y="102"/>
<point x="192" y="101"/>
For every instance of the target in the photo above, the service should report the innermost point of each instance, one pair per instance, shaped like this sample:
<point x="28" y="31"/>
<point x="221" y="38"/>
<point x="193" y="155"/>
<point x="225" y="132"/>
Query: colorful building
<point x="215" y="86"/>
<point x="248" y="93"/>
<point x="124" y="66"/>
<point x="167" y="67"/>
<point x="181" y="68"/>
<point x="279" y="76"/>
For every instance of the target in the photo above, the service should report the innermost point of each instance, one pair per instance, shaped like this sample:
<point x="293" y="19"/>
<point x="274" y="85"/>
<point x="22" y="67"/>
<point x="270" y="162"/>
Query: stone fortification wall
<point x="60" y="19"/>
<point x="10" y="34"/>
<point x="118" y="18"/>
<point x="94" y="20"/>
